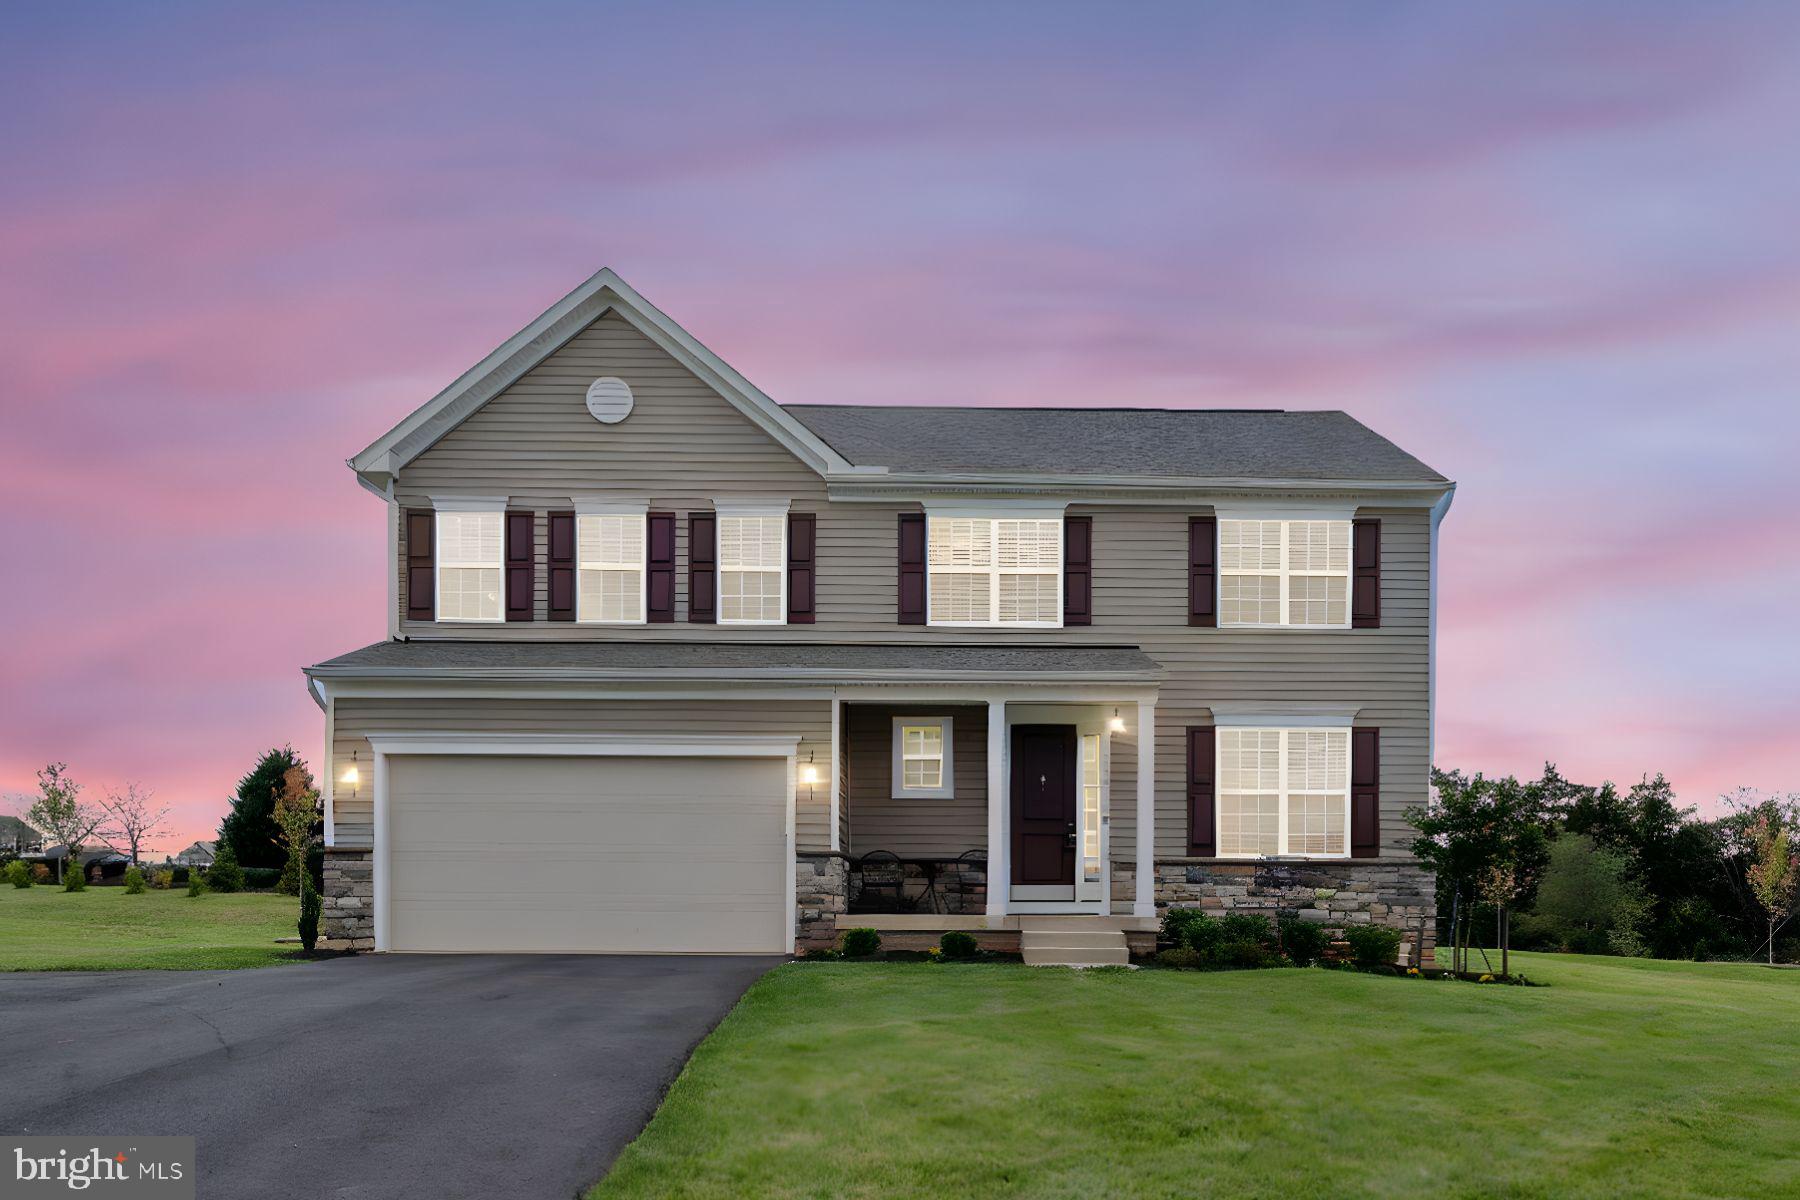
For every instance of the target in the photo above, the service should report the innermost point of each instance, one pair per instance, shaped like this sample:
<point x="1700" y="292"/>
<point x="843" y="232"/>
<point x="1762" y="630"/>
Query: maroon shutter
<point x="912" y="569"/>
<point x="1078" y="570"/>
<point x="521" y="563"/>
<point x="562" y="566"/>
<point x="802" y="547"/>
<point x="1201" y="843"/>
<point x="1365" y="584"/>
<point x="1202" y="574"/>
<point x="703" y="567"/>
<point x="1365" y="793"/>
<point x="659" y="561"/>
<point x="421" y="575"/>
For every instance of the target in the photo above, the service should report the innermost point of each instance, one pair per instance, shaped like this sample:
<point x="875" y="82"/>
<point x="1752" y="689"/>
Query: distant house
<point x="16" y="837"/>
<point x="200" y="854"/>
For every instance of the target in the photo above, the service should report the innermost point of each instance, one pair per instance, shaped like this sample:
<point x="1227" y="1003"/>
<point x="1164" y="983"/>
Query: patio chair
<point x="883" y="882"/>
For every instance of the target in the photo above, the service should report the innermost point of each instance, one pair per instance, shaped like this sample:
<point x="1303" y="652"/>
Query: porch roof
<point x="809" y="662"/>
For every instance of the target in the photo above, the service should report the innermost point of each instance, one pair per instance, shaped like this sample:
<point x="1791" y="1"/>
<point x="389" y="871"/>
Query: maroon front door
<point x="1043" y="804"/>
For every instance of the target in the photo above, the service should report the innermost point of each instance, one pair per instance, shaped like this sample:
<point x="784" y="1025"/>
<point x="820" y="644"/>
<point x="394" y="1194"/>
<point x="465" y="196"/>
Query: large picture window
<point x="1283" y="792"/>
<point x="469" y="548"/>
<point x="1284" y="573"/>
<point x="752" y="569"/>
<point x="994" y="571"/>
<point x="609" y="557"/>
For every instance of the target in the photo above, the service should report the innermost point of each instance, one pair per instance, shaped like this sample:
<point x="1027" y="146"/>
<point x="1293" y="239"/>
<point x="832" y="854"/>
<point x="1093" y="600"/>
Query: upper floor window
<point x="609" y="559"/>
<point x="468" y="566"/>
<point x="752" y="568"/>
<point x="994" y="570"/>
<point x="1284" y="573"/>
<point x="1283" y="791"/>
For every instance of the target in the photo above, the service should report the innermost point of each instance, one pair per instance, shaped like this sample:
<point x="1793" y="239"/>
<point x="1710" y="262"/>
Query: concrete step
<point x="1073" y="922"/>
<point x="1071" y="937"/>
<point x="1084" y="956"/>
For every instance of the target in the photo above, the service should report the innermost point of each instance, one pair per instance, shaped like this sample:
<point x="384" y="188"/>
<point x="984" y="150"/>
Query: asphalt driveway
<point x="383" y="1077"/>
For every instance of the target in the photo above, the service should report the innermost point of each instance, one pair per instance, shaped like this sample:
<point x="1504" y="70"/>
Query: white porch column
<point x="999" y="863"/>
<point x="1144" y="897"/>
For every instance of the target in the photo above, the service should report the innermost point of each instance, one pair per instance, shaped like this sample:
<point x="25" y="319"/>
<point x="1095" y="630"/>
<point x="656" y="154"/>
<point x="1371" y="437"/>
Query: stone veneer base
<point x="347" y="916"/>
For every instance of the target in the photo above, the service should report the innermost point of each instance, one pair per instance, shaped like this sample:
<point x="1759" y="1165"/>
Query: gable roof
<point x="14" y="830"/>
<point x="601" y="293"/>
<point x="1260" y="444"/>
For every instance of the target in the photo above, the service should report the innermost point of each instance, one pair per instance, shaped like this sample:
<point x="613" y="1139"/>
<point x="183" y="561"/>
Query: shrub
<point x="821" y="954"/>
<point x="178" y="874"/>
<point x="74" y="878"/>
<point x="18" y="873"/>
<point x="1304" y="942"/>
<point x="195" y="886"/>
<point x="1178" y="922"/>
<point x="1182" y="958"/>
<point x="957" y="944"/>
<point x="162" y="880"/>
<point x="134" y="881"/>
<point x="1247" y="927"/>
<point x="859" y="943"/>
<point x="225" y="875"/>
<point x="261" y="879"/>
<point x="1373" y="945"/>
<point x="40" y="873"/>
<point x="310" y="904"/>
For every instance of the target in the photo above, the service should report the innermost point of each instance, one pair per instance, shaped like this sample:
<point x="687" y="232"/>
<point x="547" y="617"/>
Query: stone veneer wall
<point x="821" y="892"/>
<point x="1397" y="892"/>
<point x="348" y="912"/>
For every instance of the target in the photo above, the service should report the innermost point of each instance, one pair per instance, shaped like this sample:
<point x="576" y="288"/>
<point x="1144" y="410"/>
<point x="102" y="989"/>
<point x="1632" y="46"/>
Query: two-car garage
<point x="572" y="849"/>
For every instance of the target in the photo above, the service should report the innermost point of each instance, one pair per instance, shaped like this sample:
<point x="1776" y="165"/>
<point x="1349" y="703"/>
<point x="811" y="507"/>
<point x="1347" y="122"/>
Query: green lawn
<point x="1622" y="1078"/>
<point x="103" y="929"/>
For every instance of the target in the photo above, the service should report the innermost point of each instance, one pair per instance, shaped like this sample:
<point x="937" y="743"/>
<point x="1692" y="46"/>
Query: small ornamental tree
<point x="296" y="812"/>
<point x="131" y="820"/>
<point x="1773" y="874"/>
<point x="225" y="875"/>
<point x="62" y="814"/>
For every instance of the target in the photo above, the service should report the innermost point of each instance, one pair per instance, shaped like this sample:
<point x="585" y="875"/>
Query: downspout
<point x="1431" y="633"/>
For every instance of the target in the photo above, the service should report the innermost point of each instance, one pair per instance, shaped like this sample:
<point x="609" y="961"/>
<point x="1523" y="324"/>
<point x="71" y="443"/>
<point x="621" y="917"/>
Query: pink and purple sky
<point x="1551" y="249"/>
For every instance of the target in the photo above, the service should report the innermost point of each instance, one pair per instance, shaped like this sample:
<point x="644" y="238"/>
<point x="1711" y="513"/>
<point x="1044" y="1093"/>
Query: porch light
<point x="350" y="776"/>
<point x="809" y="774"/>
<point x="1117" y="724"/>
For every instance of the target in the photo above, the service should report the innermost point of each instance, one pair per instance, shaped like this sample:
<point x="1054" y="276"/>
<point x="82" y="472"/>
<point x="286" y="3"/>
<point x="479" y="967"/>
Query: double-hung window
<point x="609" y="560"/>
<point x="1283" y="792"/>
<point x="1284" y="572"/>
<point x="752" y="567"/>
<point x="469" y="546"/>
<point x="922" y="755"/>
<point x="994" y="570"/>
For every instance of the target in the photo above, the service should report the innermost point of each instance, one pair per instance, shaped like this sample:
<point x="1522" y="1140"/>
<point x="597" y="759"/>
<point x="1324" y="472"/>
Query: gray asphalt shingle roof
<point x="738" y="660"/>
<point x="1153" y="443"/>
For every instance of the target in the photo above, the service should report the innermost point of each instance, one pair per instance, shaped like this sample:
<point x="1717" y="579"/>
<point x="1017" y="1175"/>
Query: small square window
<point x="922" y="754"/>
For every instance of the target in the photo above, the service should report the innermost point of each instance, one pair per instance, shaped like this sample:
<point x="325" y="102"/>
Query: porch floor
<point x="944" y="922"/>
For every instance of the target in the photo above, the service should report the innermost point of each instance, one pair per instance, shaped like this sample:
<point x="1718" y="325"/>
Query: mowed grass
<point x="1623" y="1078"/>
<point x="103" y="929"/>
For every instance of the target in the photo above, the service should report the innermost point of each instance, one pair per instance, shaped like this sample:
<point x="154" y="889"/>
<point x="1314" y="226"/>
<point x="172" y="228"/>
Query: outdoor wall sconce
<point x="1117" y="724"/>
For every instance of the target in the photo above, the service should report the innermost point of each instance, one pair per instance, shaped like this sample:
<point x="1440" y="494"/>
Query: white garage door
<point x="587" y="855"/>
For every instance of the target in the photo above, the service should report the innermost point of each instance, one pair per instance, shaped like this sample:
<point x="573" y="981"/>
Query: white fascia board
<point x="602" y="292"/>
<point x="1142" y="493"/>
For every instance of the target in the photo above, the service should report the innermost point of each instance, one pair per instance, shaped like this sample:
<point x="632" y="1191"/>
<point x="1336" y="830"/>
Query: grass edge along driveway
<point x="103" y="929"/>
<point x="1623" y="1077"/>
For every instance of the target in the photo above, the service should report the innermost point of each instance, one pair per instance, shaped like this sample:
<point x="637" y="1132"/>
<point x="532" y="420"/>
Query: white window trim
<point x="591" y="507"/>
<point x="946" y="729"/>
<point x="1281" y="804"/>
<point x="994" y="514"/>
<point x="465" y="504"/>
<point x="747" y="508"/>
<point x="1286" y="518"/>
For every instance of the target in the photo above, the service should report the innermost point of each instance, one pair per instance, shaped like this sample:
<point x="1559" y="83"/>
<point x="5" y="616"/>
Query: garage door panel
<point x="587" y="854"/>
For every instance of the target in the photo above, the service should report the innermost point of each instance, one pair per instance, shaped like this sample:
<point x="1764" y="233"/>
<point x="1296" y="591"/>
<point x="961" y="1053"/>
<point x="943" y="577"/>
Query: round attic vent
<point x="609" y="399"/>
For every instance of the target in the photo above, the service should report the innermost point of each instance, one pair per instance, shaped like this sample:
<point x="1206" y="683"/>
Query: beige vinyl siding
<point x="357" y="718"/>
<point x="879" y="820"/>
<point x="683" y="446"/>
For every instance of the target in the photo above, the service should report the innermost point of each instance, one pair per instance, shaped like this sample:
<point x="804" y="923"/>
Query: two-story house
<point x="672" y="667"/>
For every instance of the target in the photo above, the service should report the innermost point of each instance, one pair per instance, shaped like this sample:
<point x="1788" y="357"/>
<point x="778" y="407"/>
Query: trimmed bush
<point x="1304" y="942"/>
<point x="74" y="878"/>
<point x="957" y="944"/>
<point x="820" y="954"/>
<point x="18" y="873"/>
<point x="162" y="880"/>
<point x="310" y="904"/>
<point x="178" y="875"/>
<point x="1178" y="923"/>
<point x="225" y="875"/>
<point x="195" y="886"/>
<point x="261" y="879"/>
<point x="1182" y="958"/>
<point x="1373" y="945"/>
<point x="859" y="943"/>
<point x="134" y="881"/>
